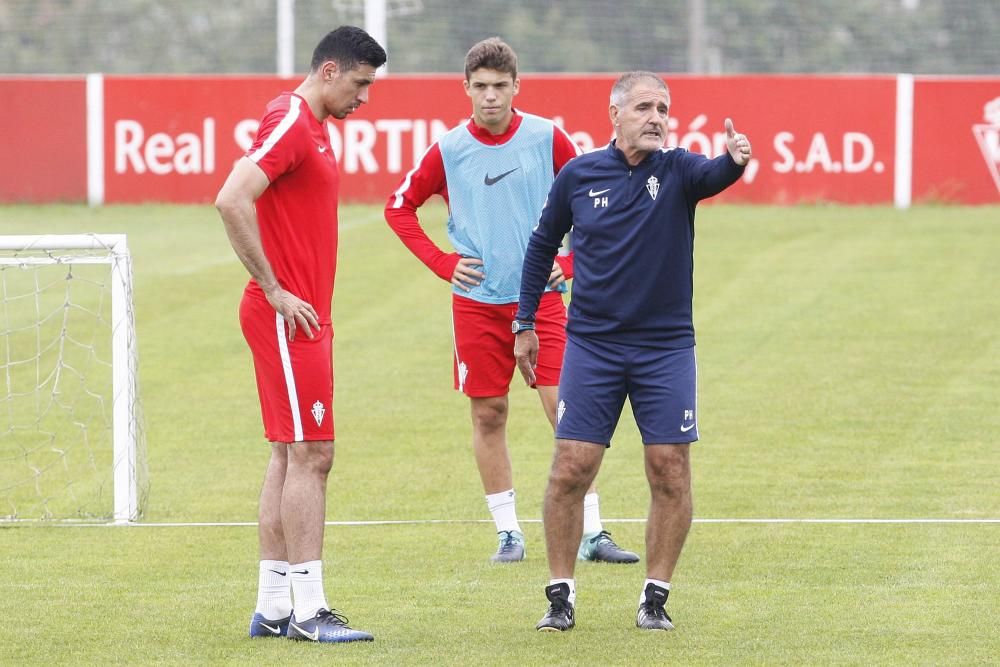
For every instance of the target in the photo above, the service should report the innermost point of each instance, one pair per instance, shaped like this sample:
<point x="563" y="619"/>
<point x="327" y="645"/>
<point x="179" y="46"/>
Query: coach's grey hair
<point x="627" y="81"/>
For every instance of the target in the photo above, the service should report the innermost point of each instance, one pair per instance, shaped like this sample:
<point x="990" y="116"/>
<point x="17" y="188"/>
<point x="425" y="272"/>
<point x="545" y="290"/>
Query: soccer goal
<point x="72" y="444"/>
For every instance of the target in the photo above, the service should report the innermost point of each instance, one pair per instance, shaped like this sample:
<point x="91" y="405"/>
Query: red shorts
<point x="294" y="378"/>
<point x="484" y="345"/>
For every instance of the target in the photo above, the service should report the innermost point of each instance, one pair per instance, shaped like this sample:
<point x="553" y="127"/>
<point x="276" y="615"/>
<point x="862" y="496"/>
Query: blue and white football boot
<point x="326" y="626"/>
<point x="263" y="627"/>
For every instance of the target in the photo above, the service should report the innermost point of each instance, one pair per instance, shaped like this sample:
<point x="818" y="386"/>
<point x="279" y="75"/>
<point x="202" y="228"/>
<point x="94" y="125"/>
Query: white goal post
<point x="61" y="426"/>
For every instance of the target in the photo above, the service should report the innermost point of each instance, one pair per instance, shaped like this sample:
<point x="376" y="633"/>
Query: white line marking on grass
<point x="839" y="520"/>
<point x="424" y="522"/>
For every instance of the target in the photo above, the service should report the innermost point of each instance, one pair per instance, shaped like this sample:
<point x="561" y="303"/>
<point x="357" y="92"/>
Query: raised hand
<point x="738" y="144"/>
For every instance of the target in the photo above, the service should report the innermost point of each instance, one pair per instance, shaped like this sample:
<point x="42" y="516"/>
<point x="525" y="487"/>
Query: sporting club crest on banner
<point x="988" y="136"/>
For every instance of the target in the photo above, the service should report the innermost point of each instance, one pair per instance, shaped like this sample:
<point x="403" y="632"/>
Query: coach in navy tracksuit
<point x="631" y="208"/>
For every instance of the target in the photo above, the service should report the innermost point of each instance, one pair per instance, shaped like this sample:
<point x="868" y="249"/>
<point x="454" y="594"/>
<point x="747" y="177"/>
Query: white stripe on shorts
<point x="458" y="362"/>
<point x="286" y="365"/>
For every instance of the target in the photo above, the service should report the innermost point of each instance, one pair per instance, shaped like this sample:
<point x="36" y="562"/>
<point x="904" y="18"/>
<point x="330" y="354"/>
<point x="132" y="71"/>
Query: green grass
<point x="849" y="368"/>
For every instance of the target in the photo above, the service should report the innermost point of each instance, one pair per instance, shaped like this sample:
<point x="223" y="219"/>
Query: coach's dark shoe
<point x="560" y="616"/>
<point x="600" y="548"/>
<point x="326" y="626"/>
<point x="651" y="614"/>
<point x="511" y="547"/>
<point x="263" y="627"/>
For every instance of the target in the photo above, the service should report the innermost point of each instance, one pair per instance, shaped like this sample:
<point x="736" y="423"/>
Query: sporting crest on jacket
<point x="653" y="186"/>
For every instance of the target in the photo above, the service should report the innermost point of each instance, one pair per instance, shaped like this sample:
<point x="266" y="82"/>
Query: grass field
<point x="849" y="367"/>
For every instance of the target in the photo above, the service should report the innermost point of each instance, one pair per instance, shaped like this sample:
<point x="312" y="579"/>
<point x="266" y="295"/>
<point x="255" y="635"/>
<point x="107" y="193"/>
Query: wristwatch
<point x="517" y="326"/>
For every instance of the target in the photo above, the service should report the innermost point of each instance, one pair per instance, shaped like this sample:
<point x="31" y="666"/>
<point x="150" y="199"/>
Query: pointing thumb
<point x="730" y="130"/>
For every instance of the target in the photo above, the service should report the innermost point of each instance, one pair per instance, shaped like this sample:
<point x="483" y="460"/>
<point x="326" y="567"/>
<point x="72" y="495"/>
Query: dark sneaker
<point x="560" y="616"/>
<point x="511" y="548"/>
<point x="600" y="548"/>
<point x="263" y="627"/>
<point x="651" y="614"/>
<point x="327" y="626"/>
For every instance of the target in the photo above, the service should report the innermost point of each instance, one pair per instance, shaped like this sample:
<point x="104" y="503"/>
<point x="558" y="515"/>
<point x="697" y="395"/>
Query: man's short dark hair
<point x="349" y="47"/>
<point x="492" y="53"/>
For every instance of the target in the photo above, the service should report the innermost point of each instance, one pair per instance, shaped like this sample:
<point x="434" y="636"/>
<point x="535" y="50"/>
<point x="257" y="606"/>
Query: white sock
<point x="592" y="514"/>
<point x="502" y="508"/>
<point x="274" y="593"/>
<point x="572" y="588"/>
<point x="661" y="584"/>
<point x="307" y="589"/>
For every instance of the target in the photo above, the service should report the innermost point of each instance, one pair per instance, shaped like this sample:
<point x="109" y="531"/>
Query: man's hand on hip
<point x="296" y="312"/>
<point x="556" y="276"/>
<point x="466" y="274"/>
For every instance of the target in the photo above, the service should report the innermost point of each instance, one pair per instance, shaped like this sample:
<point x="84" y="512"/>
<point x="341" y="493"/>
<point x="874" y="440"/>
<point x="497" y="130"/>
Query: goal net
<point x="72" y="444"/>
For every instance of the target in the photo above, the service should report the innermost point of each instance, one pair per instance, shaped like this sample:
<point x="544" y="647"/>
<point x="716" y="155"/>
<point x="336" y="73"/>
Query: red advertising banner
<point x="176" y="140"/>
<point x="43" y="155"/>
<point x="815" y="138"/>
<point x="956" y="140"/>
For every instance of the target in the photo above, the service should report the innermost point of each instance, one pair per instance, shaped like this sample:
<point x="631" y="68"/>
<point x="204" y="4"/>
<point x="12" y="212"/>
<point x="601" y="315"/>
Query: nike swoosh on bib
<point x="490" y="180"/>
